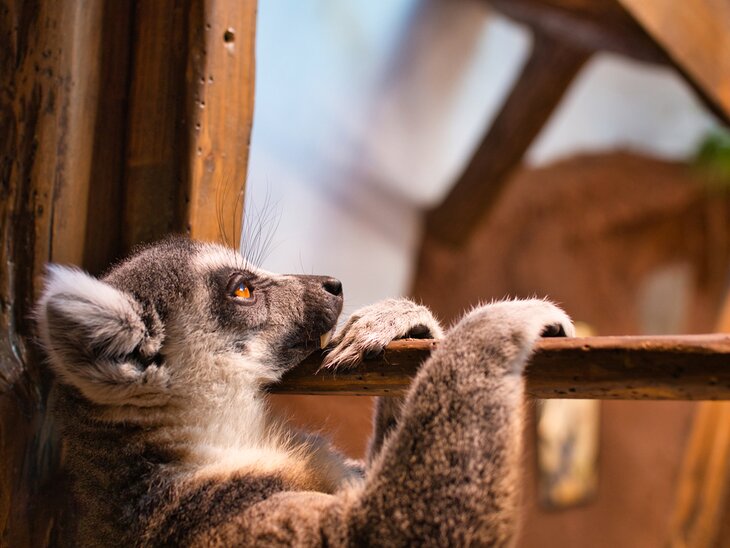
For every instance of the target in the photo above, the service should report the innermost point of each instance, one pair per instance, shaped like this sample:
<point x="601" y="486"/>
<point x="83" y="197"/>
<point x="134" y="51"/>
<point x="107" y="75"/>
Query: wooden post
<point x="95" y="95"/>
<point x="220" y="111"/>
<point x="50" y="93"/>
<point x="191" y="110"/>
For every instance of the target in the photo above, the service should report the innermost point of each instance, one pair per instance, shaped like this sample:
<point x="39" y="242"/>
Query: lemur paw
<point x="532" y="317"/>
<point x="370" y="329"/>
<point x="511" y="328"/>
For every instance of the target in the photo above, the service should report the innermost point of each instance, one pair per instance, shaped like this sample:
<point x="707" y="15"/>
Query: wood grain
<point x="190" y="118"/>
<point x="156" y="122"/>
<point x="102" y="242"/>
<point x="50" y="82"/>
<point x="220" y="84"/>
<point x="692" y="367"/>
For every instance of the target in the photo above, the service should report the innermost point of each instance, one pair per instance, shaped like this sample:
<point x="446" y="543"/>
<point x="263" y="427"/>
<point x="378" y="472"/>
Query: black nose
<point x="332" y="285"/>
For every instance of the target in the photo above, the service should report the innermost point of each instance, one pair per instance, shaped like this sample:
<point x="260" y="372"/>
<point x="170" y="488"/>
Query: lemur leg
<point x="385" y="419"/>
<point x="448" y="473"/>
<point x="367" y="332"/>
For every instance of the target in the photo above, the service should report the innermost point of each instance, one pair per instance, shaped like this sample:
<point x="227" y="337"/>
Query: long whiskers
<point x="260" y="225"/>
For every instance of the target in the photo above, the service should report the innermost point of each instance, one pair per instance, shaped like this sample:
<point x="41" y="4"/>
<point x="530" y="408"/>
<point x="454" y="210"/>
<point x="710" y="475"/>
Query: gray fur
<point x="371" y="328"/>
<point x="161" y="375"/>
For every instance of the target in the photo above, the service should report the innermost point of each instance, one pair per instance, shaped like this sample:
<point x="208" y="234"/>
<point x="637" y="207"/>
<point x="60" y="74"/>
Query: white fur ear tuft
<point x="100" y="314"/>
<point x="95" y="337"/>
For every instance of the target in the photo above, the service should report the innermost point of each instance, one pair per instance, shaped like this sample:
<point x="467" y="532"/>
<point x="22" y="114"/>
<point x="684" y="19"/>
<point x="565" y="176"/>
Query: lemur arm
<point x="448" y="472"/>
<point x="368" y="331"/>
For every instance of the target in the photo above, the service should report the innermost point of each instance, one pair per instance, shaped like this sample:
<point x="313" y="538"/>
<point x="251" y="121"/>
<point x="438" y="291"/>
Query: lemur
<point x="162" y="366"/>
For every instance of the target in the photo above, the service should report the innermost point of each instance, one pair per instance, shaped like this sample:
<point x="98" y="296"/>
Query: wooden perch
<point x="694" y="367"/>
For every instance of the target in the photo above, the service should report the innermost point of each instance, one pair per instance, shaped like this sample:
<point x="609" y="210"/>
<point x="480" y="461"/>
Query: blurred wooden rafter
<point x="690" y="36"/>
<point x="594" y="25"/>
<point x="696" y="37"/>
<point x="546" y="76"/>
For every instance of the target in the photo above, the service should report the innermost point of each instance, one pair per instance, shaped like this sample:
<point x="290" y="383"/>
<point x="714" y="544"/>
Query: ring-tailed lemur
<point x="162" y="366"/>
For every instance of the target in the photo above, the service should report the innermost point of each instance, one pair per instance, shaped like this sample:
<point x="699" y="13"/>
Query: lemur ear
<point x="97" y="340"/>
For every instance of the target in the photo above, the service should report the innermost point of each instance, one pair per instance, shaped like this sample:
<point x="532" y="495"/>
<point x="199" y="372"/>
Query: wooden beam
<point x="75" y="129"/>
<point x="544" y="79"/>
<point x="657" y="31"/>
<point x="692" y="367"/>
<point x="592" y="24"/>
<point x="191" y="111"/>
<point x="695" y="35"/>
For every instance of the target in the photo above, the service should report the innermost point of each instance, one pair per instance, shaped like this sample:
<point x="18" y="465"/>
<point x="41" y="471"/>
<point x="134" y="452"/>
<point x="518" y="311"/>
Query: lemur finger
<point x="340" y="335"/>
<point x="553" y="330"/>
<point x="370" y="330"/>
<point x="366" y="340"/>
<point x="355" y="347"/>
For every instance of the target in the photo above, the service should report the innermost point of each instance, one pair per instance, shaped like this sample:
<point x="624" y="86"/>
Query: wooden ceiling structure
<point x="125" y="121"/>
<point x="692" y="37"/>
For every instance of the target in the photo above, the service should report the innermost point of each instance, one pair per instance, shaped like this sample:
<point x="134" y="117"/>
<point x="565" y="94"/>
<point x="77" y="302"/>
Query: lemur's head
<point x="180" y="320"/>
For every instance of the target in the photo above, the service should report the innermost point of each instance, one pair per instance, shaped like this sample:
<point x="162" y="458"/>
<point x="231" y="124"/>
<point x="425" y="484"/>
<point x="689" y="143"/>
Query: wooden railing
<point x="689" y="367"/>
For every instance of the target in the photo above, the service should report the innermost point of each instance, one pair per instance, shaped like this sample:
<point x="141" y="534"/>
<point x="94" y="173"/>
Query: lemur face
<point x="181" y="320"/>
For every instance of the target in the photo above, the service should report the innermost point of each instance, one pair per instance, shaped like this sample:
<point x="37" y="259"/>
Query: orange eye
<point x="242" y="291"/>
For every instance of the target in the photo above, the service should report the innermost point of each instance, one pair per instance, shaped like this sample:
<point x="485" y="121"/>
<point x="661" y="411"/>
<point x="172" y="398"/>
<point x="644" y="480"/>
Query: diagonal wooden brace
<point x="544" y="79"/>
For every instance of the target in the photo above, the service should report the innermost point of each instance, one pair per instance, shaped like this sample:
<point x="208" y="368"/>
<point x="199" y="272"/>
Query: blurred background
<point x="374" y="127"/>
